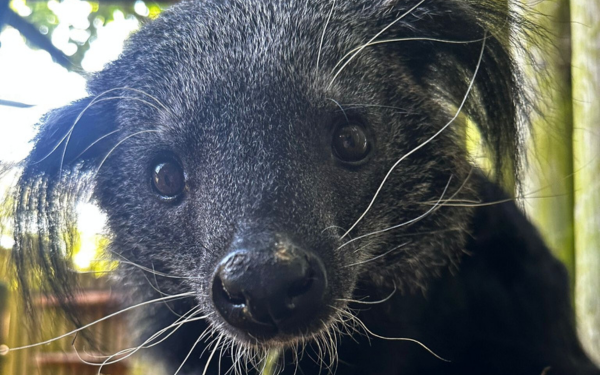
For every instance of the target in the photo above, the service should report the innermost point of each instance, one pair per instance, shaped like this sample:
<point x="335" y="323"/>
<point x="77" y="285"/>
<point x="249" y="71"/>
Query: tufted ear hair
<point x="457" y="42"/>
<point x="70" y="142"/>
<point x="76" y="134"/>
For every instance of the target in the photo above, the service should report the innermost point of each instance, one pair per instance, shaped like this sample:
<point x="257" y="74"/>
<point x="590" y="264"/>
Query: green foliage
<point x="46" y="18"/>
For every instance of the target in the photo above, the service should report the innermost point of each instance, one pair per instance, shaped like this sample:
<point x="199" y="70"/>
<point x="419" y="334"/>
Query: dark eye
<point x="350" y="143"/>
<point x="168" y="179"/>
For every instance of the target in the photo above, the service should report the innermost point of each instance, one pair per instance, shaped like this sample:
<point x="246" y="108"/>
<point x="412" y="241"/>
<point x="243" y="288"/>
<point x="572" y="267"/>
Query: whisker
<point x="410" y="39"/>
<point x="333" y="227"/>
<point x="146" y="269"/>
<point x="93" y="102"/>
<point x="341" y="108"/>
<point x="456" y="229"/>
<point x="131" y="351"/>
<point x="418" y="218"/>
<point x="96" y="142"/>
<point x="357" y="105"/>
<point x="458" y="111"/>
<point x="296" y="361"/>
<point x="378" y="256"/>
<point x="349" y="316"/>
<point x="478" y="203"/>
<point x="358" y="250"/>
<point x="176" y="296"/>
<point x="360" y="322"/>
<point x="145" y="345"/>
<point x="223" y="347"/>
<point x="370" y="302"/>
<point x="150" y="96"/>
<point x="408" y="12"/>
<point x="324" y="31"/>
<point x="188" y="355"/>
<point x="157" y="288"/>
<point x="211" y="354"/>
<point x="333" y="353"/>
<point x="117" y="145"/>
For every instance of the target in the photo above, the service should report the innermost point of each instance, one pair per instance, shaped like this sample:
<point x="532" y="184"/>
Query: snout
<point x="265" y="291"/>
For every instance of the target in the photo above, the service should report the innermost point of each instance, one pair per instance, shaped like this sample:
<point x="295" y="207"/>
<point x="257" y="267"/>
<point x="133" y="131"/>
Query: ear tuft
<point x="76" y="134"/>
<point x="69" y="143"/>
<point x="499" y="102"/>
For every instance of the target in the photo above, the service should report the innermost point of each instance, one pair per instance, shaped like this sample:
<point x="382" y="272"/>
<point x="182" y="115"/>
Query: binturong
<point x="292" y="177"/>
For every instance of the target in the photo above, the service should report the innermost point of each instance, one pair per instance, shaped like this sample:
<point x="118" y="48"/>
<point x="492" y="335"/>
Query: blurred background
<point x="48" y="49"/>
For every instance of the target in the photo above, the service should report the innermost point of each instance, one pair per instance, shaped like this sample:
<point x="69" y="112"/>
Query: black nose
<point x="263" y="292"/>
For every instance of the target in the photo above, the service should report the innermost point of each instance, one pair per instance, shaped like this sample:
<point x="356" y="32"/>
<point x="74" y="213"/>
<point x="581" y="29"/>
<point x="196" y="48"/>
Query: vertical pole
<point x="549" y="195"/>
<point x="585" y="26"/>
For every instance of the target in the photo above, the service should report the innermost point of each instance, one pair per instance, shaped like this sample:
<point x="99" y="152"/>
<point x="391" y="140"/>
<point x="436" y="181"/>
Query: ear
<point x="70" y="140"/>
<point x="468" y="43"/>
<point x="77" y="134"/>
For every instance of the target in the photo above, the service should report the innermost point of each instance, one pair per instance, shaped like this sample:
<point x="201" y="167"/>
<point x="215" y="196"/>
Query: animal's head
<point x="274" y="154"/>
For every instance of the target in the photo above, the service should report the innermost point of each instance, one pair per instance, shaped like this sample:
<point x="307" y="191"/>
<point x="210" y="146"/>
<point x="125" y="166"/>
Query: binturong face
<point x="246" y="164"/>
<point x="270" y="157"/>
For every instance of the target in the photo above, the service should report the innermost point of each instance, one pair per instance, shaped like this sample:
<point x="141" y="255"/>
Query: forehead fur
<point x="200" y="50"/>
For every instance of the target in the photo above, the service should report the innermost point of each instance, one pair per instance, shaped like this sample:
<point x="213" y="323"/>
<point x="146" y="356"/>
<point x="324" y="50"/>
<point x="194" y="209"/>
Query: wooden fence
<point x="63" y="357"/>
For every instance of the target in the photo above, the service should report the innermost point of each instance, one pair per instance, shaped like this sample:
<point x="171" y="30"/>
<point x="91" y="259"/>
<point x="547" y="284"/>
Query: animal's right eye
<point x="350" y="143"/>
<point x="168" y="179"/>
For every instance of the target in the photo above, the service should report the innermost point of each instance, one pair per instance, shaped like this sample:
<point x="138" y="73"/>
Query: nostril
<point x="302" y="286"/>
<point x="233" y="298"/>
<point x="226" y="297"/>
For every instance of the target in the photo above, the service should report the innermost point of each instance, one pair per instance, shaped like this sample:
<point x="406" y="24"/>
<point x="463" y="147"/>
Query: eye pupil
<point x="168" y="179"/>
<point x="350" y="143"/>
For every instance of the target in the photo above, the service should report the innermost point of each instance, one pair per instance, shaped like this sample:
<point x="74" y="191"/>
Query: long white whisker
<point x="378" y="256"/>
<point x="371" y="302"/>
<point x="223" y="347"/>
<point x="411" y="39"/>
<point x="92" y="102"/>
<point x="324" y="31"/>
<point x="211" y="354"/>
<point x="118" y="144"/>
<point x="72" y="129"/>
<point x="333" y="354"/>
<point x="341" y="108"/>
<point x="181" y="295"/>
<point x="372" y="39"/>
<point x="146" y="344"/>
<point x="157" y="288"/>
<point x="472" y="203"/>
<point x="418" y="218"/>
<point x="188" y="355"/>
<point x="67" y="134"/>
<point x="350" y="317"/>
<point x="96" y="142"/>
<point x="360" y="322"/>
<point x="158" y="273"/>
<point x="150" y="96"/>
<point x="458" y="111"/>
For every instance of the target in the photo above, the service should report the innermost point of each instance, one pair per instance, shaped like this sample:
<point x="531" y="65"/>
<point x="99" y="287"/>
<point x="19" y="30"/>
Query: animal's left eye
<point x="168" y="179"/>
<point x="350" y="143"/>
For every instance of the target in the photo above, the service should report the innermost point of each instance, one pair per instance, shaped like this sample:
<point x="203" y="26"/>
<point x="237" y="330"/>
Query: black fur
<point x="231" y="89"/>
